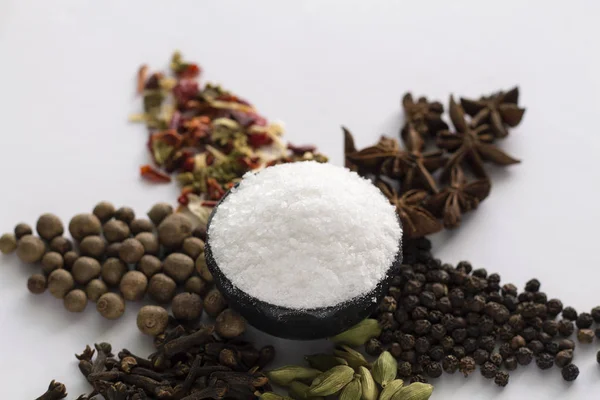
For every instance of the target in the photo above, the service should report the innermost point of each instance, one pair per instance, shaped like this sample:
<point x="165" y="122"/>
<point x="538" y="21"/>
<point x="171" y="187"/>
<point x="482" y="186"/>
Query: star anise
<point x="370" y="159"/>
<point x="414" y="167"/>
<point x="498" y="110"/>
<point x="425" y="116"/>
<point x="458" y="198"/>
<point x="471" y="145"/>
<point x="416" y="220"/>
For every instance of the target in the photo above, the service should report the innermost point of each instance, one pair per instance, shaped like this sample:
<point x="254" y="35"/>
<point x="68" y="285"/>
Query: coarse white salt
<point x="305" y="235"/>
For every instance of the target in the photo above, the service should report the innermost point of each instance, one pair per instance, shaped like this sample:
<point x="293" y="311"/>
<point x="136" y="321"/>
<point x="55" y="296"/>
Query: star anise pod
<point x="425" y="116"/>
<point x="458" y="198"/>
<point x="370" y="159"/>
<point x="413" y="167"/>
<point x="471" y="145"/>
<point x="416" y="220"/>
<point x="498" y="110"/>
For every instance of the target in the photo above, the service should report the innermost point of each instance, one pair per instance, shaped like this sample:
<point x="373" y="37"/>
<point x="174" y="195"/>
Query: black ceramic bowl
<point x="291" y="323"/>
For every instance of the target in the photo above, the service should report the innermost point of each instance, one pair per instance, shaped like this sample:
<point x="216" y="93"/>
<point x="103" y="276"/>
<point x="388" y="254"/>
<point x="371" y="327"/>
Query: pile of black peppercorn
<point x="115" y="257"/>
<point x="438" y="317"/>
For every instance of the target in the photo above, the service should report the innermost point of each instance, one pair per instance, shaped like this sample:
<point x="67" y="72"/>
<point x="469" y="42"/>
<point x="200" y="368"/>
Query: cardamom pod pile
<point x="347" y="375"/>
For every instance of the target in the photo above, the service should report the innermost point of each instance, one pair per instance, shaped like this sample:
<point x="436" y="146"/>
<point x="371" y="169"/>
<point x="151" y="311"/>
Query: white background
<point x="67" y="86"/>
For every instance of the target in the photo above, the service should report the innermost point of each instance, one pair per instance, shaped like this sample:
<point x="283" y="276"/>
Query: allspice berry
<point x="133" y="285"/>
<point x="193" y="247"/>
<point x="214" y="303"/>
<point x="152" y="320"/>
<point x="125" y="214"/>
<point x="8" y="243"/>
<point x="95" y="288"/>
<point x="61" y="244"/>
<point x="113" y="270"/>
<point x="83" y="225"/>
<point x="75" y="300"/>
<point x="173" y="230"/>
<point x="51" y="261"/>
<point x="178" y="266"/>
<point x="141" y="225"/>
<point x="60" y="282"/>
<point x="93" y="246"/>
<point x="149" y="241"/>
<point x="195" y="284"/>
<point x="131" y="251"/>
<point x="30" y="249"/>
<point x="69" y="259"/>
<point x="116" y="231"/>
<point x="112" y="250"/>
<point x="202" y="268"/>
<point x="230" y="324"/>
<point x="161" y="288"/>
<point x="110" y="305"/>
<point x="187" y="306"/>
<point x="104" y="211"/>
<point x="85" y="269"/>
<point x="159" y="212"/>
<point x="49" y="226"/>
<point x="22" y="229"/>
<point x="149" y="265"/>
<point x="36" y="283"/>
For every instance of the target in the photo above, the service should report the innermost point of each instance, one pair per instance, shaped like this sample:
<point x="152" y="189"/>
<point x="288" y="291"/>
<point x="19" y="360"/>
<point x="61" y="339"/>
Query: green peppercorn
<point x="150" y="242"/>
<point x="152" y="320"/>
<point x="49" y="226"/>
<point x="110" y="305"/>
<point x="131" y="251"/>
<point x="75" y="300"/>
<point x="60" y="282"/>
<point x="133" y="285"/>
<point x="85" y="269"/>
<point x="51" y="261"/>
<point x="8" y="243"/>
<point x="104" y="211"/>
<point x="113" y="270"/>
<point x="141" y="225"/>
<point x="116" y="231"/>
<point x="22" y="229"/>
<point x="186" y="306"/>
<point x="83" y="225"/>
<point x="178" y="266"/>
<point x="30" y="249"/>
<point x="125" y="214"/>
<point x="94" y="289"/>
<point x="36" y="284"/>
<point x="161" y="288"/>
<point x="93" y="246"/>
<point x="159" y="212"/>
<point x="61" y="245"/>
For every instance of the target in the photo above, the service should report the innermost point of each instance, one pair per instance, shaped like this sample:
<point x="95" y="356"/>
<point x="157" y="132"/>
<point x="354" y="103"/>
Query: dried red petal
<point x="189" y="71"/>
<point x="188" y="164"/>
<point x="185" y="90"/>
<point x="300" y="150"/>
<point x="151" y="174"/>
<point x="215" y="191"/>
<point x="259" y="139"/>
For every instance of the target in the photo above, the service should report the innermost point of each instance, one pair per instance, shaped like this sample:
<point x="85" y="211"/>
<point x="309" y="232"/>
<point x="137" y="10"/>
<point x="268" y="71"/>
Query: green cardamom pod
<point x="358" y="334"/>
<point x="414" y="391"/>
<point x="324" y="362"/>
<point x="385" y="369"/>
<point x="352" y="391"/>
<point x="390" y="389"/>
<point x="367" y="383"/>
<point x="299" y="391"/>
<point x="285" y="375"/>
<point x="331" y="381"/>
<point x="271" y="396"/>
<point x="353" y="357"/>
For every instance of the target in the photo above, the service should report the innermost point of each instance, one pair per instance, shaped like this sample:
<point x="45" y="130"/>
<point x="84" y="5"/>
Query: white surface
<point x="312" y="235"/>
<point x="67" y="83"/>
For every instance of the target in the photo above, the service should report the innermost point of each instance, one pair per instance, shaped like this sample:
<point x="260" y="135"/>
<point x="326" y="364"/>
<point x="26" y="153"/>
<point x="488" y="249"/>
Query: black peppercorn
<point x="407" y="342"/>
<point x="496" y="359"/>
<point x="532" y="286"/>
<point x="434" y="369"/>
<point x="535" y="322"/>
<point x="435" y="316"/>
<point x="487" y="343"/>
<point x="373" y="347"/>
<point x="422" y="345"/>
<point x="481" y="356"/>
<point x="489" y="370"/>
<point x="550" y="327"/>
<point x="386" y="321"/>
<point x="427" y="299"/>
<point x="438" y="331"/>
<point x="476" y="304"/>
<point x="584" y="320"/>
<point x="544" y="361"/>
<point x="544" y="337"/>
<point x="444" y="305"/>
<point x="535" y="346"/>
<point x="524" y="297"/>
<point x="466" y="365"/>
<point x="529" y="333"/>
<point x="540" y="298"/>
<point x="501" y="378"/>
<point x="409" y="355"/>
<point x="459" y="352"/>
<point x="486" y="324"/>
<point x="410" y="302"/>
<point x="563" y="358"/>
<point x="505" y="332"/>
<point x="524" y="356"/>
<point x="450" y="364"/>
<point x="510" y="363"/>
<point x="470" y="345"/>
<point x="493" y="282"/>
<point x="418" y="378"/>
<point x="517" y="342"/>
<point x="505" y="350"/>
<point x="419" y="312"/>
<point x="509" y="289"/>
<point x="566" y="344"/>
<point x="459" y="335"/>
<point x="551" y="348"/>
<point x="395" y="350"/>
<point x="388" y="304"/>
<point x="517" y="322"/>
<point x="404" y="369"/>
<point x="596" y="314"/>
<point x="464" y="266"/>
<point x="554" y="307"/>
<point x="569" y="313"/>
<point x="510" y="302"/>
<point x="401" y="316"/>
<point x="447" y="343"/>
<point x="565" y="327"/>
<point x="473" y="331"/>
<point x="386" y="337"/>
<point x="597" y="332"/>
<point x="439" y="290"/>
<point x="585" y="336"/>
<point x="480" y="273"/>
<point x="436" y="353"/>
<point x="570" y="372"/>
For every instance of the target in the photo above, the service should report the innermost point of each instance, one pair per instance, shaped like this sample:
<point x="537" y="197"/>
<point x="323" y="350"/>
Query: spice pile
<point x="421" y="199"/>
<point x="208" y="136"/>
<point x="117" y="257"/>
<point x="440" y="318"/>
<point x="187" y="365"/>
